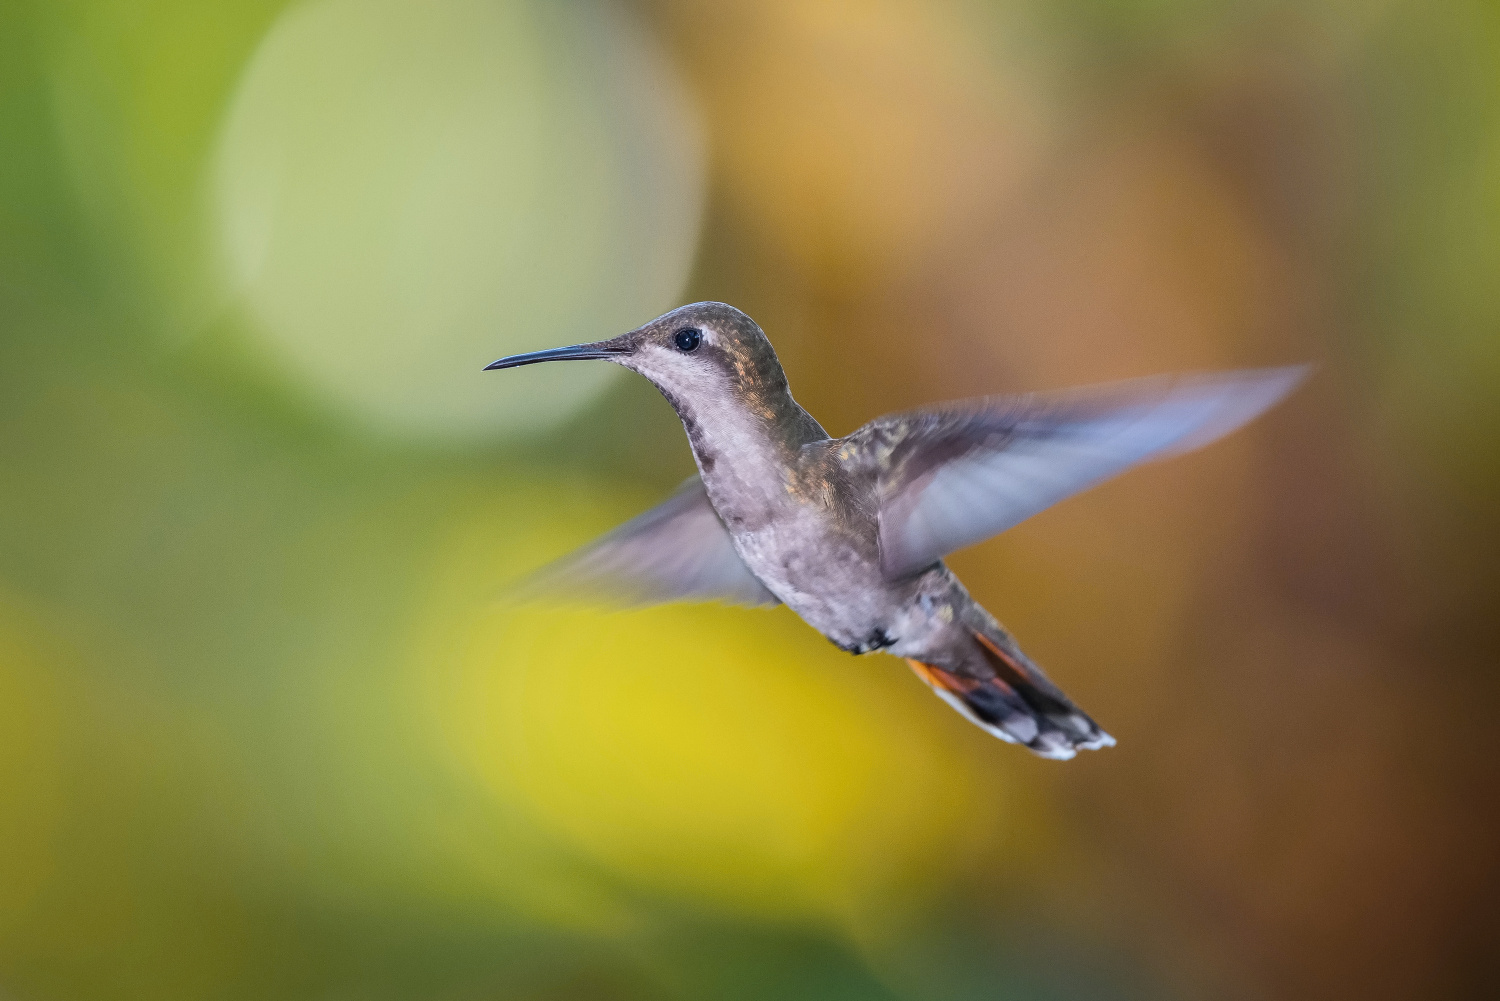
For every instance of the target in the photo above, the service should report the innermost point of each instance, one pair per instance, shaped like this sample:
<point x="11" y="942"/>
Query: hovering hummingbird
<point x="850" y="533"/>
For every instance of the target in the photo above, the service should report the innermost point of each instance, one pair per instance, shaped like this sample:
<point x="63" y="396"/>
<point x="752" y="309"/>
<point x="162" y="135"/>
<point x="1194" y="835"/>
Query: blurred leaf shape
<point x="406" y="191"/>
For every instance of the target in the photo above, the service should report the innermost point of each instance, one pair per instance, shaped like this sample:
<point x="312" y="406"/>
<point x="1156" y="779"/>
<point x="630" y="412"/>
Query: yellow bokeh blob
<point x="726" y="756"/>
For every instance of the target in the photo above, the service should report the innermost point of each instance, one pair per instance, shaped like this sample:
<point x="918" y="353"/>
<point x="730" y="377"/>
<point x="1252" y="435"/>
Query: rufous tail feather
<point x="1018" y="703"/>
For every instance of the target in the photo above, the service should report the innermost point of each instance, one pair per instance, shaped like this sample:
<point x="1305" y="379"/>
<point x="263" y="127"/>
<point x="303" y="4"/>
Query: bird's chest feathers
<point x="785" y="506"/>
<point x="801" y="541"/>
<point x="742" y="470"/>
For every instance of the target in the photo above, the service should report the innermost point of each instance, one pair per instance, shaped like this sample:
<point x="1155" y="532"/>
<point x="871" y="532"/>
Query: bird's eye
<point x="688" y="339"/>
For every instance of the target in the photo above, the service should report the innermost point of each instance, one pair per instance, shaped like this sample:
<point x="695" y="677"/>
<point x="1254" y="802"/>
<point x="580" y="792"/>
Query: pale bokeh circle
<point x="405" y="191"/>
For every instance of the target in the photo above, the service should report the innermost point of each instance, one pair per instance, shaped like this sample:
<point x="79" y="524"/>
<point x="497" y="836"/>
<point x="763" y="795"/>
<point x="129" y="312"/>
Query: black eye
<point x="688" y="339"/>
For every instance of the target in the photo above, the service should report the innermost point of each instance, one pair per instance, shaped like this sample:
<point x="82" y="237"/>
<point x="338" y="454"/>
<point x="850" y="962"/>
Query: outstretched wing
<point x="953" y="476"/>
<point x="677" y="551"/>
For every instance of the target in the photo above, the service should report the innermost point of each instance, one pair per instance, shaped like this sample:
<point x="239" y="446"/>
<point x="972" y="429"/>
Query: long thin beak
<point x="575" y="352"/>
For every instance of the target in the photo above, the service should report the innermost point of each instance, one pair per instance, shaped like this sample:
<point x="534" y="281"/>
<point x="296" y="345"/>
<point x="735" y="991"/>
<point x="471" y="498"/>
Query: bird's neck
<point x="745" y="450"/>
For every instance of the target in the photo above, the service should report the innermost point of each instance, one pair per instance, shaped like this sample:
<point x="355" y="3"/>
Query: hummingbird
<point x="850" y="533"/>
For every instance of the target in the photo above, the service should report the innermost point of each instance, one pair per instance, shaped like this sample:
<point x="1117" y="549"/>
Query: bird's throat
<point x="746" y="454"/>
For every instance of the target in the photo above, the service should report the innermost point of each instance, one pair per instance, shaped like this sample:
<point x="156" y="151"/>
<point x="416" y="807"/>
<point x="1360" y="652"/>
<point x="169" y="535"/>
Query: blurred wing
<point x="677" y="551"/>
<point x="955" y="476"/>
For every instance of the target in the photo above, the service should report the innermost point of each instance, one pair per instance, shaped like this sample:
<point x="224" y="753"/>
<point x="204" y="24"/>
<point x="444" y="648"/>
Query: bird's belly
<point x="834" y="583"/>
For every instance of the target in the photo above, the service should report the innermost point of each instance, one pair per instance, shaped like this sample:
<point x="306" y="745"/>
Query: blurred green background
<point x="266" y="732"/>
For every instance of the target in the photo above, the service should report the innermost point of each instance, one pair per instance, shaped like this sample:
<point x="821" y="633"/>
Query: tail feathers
<point x="1019" y="704"/>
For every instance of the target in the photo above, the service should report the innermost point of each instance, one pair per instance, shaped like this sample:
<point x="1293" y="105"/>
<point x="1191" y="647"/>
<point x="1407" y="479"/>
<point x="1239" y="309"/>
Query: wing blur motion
<point x="953" y="476"/>
<point x="677" y="551"/>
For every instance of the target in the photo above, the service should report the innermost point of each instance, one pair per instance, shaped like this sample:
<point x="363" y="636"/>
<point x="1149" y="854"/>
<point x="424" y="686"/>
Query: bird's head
<point x="696" y="355"/>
